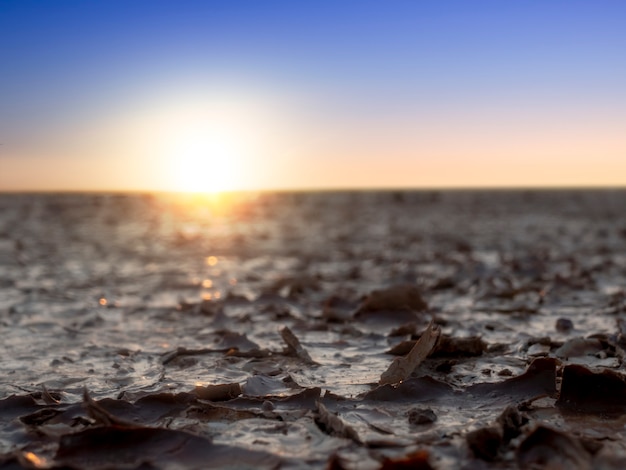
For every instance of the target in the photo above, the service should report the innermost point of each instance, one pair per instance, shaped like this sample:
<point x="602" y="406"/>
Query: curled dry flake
<point x="47" y="397"/>
<point x="294" y="347"/>
<point x="335" y="425"/>
<point x="402" y="367"/>
<point x="102" y="416"/>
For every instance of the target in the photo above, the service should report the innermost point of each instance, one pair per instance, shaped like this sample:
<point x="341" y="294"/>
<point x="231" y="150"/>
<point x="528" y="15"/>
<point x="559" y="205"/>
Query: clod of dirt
<point x="511" y="421"/>
<point x="455" y="347"/>
<point x="447" y="346"/>
<point x="419" y="416"/>
<point x="485" y="442"/>
<point x="548" y="448"/>
<point x="415" y="461"/>
<point x="564" y="325"/>
<point x="585" y="391"/>
<point x="219" y="392"/>
<point x="399" y="297"/>
<point x="337" y="309"/>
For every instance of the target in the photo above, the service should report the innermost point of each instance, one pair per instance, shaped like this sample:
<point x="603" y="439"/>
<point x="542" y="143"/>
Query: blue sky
<point x="398" y="69"/>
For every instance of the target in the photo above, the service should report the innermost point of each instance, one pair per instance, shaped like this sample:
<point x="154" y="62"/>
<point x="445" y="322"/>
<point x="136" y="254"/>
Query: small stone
<point x="564" y="325"/>
<point x="485" y="442"/>
<point x="511" y="421"/>
<point x="422" y="416"/>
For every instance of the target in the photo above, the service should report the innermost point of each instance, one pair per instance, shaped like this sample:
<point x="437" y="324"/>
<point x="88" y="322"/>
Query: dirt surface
<point x="284" y="330"/>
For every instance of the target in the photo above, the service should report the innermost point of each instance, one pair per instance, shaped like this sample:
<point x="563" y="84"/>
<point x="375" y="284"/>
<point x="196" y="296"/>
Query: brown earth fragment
<point x="578" y="347"/>
<point x="402" y="367"/>
<point x="101" y="415"/>
<point x="485" y="442"/>
<point x="16" y="405"/>
<point x="539" y="379"/>
<point x="334" y="425"/>
<point x="387" y="319"/>
<point x="564" y="325"/>
<point x="337" y="309"/>
<point x="419" y="416"/>
<point x="416" y="389"/>
<point x="468" y="347"/>
<point x="114" y="447"/>
<point x="294" y="348"/>
<point x="252" y="353"/>
<point x="511" y="421"/>
<point x="219" y="392"/>
<point x="399" y="297"/>
<point x="40" y="417"/>
<point x="403" y="330"/>
<point x="414" y="461"/>
<point x="585" y="391"/>
<point x="49" y="398"/>
<point x="447" y="346"/>
<point x="303" y="401"/>
<point x="211" y="307"/>
<point x="551" y="449"/>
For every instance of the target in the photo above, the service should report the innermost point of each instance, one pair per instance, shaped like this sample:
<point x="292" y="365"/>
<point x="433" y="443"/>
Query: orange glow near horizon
<point x="236" y="141"/>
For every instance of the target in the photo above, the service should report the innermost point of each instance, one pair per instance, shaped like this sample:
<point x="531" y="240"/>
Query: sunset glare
<point x="206" y="163"/>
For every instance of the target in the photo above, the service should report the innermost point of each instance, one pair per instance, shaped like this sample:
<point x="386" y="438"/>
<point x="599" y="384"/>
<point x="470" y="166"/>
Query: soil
<point x="253" y="330"/>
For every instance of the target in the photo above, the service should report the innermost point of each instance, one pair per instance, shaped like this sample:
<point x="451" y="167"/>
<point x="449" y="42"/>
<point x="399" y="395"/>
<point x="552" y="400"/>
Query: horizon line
<point x="516" y="188"/>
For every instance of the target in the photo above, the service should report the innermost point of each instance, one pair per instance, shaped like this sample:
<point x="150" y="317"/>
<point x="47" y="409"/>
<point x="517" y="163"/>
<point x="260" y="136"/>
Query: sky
<point x="217" y="95"/>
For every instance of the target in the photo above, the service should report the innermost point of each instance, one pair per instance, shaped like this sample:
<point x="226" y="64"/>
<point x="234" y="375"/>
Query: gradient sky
<point x="116" y="95"/>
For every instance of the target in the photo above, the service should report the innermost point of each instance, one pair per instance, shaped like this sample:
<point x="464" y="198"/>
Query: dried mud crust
<point x="335" y="330"/>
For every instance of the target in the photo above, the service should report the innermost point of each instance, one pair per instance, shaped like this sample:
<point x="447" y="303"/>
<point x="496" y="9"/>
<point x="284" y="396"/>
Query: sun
<point x="206" y="161"/>
<point x="209" y="143"/>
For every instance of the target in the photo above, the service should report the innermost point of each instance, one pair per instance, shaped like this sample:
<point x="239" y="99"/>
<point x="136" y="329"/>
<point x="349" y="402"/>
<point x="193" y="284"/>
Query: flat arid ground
<point x="365" y="330"/>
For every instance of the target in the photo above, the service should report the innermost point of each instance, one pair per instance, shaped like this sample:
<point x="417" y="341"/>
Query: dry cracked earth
<point x="354" y="330"/>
